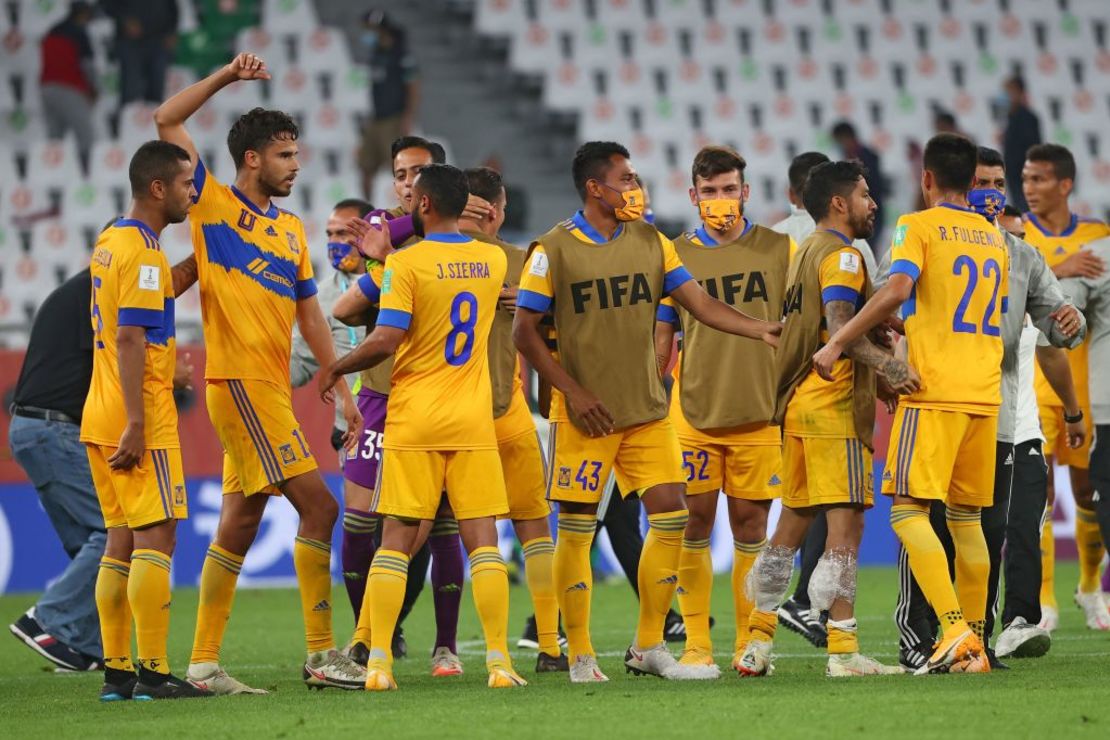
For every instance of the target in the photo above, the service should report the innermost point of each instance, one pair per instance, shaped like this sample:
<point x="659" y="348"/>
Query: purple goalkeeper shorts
<point x="361" y="465"/>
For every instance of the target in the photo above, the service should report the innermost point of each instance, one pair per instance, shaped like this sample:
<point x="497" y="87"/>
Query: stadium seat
<point x="54" y="163"/>
<point x="288" y="16"/>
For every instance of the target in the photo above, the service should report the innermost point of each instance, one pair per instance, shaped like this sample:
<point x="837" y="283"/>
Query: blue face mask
<point x="987" y="202"/>
<point x="343" y="256"/>
<point x="369" y="39"/>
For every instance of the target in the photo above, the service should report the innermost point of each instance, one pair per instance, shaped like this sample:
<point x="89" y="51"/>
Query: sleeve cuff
<point x="840" y="293"/>
<point x="667" y="314"/>
<point x="394" y="318"/>
<point x="306" y="288"/>
<point x="533" y="301"/>
<point x="369" y="288"/>
<point x="905" y="267"/>
<point x="675" y="278"/>
<point x="148" y="318"/>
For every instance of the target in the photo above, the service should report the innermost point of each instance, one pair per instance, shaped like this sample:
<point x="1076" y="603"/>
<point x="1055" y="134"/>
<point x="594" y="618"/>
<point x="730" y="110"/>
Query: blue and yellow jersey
<point x="253" y="267"/>
<point x="443" y="292"/>
<point x="819" y="407"/>
<point x="131" y="286"/>
<point x="960" y="268"/>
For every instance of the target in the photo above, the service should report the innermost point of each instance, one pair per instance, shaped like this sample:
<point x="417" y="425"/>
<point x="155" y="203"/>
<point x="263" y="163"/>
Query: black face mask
<point x="417" y="224"/>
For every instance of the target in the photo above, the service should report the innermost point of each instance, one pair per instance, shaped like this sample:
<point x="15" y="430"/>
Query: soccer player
<point x="827" y="424"/>
<point x="129" y="426"/>
<point x="727" y="442"/>
<point x="437" y="306"/>
<point x="1048" y="179"/>
<point x="255" y="279"/>
<point x="953" y="268"/>
<point x="602" y="273"/>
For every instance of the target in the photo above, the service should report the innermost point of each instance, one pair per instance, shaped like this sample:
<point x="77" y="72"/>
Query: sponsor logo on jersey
<point x="616" y="291"/>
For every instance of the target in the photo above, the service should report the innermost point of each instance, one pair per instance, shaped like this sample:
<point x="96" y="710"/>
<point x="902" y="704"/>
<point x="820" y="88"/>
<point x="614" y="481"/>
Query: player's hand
<point x="1081" y="264"/>
<point x="1067" y="320"/>
<point x="1076" y="431"/>
<point x="825" y="358"/>
<point x="183" y="373"/>
<point x="477" y="209"/>
<point x="372" y="242"/>
<point x="325" y="383"/>
<point x="353" y="417"/>
<point x="886" y="394"/>
<point x="595" y="417"/>
<point x="900" y="376"/>
<point x="130" y="450"/>
<point x="771" y="332"/>
<point x="895" y="324"/>
<point x="507" y="299"/>
<point x="247" y="66"/>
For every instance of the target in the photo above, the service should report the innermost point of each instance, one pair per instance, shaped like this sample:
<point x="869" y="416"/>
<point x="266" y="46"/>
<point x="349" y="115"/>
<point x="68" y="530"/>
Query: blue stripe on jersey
<point x="667" y="314"/>
<point x="533" y="301"/>
<point x="200" y="174"/>
<point x="446" y="238"/>
<point x="369" y="288"/>
<point x="270" y="213"/>
<point x="582" y="225"/>
<point x="306" y="288"/>
<point x="122" y="223"/>
<point x="148" y="318"/>
<point x="226" y="248"/>
<point x="839" y="235"/>
<point x="394" y="318"/>
<point x="840" y="293"/>
<point x="905" y="267"/>
<point x="672" y="280"/>
<point x="161" y="335"/>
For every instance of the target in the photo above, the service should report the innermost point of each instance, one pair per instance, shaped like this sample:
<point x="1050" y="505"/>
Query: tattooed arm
<point x="898" y="374"/>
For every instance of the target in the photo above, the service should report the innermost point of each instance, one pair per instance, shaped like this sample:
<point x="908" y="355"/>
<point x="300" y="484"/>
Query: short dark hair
<point x="800" y="167"/>
<point x="446" y="187"/>
<point x="716" y="160"/>
<point x="257" y="128"/>
<point x="1060" y="157"/>
<point x="1017" y="81"/>
<point x="952" y="159"/>
<point x="1009" y="210"/>
<point x="154" y="160"/>
<point x="592" y="161"/>
<point x="827" y="180"/>
<point x="843" y="128"/>
<point x="439" y="156"/>
<point x="362" y="206"/>
<point x="990" y="157"/>
<point x="485" y="182"/>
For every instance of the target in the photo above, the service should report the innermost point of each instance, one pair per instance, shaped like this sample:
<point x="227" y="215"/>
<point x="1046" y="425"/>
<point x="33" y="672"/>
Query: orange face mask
<point x="633" y="208"/>
<point x="719" y="214"/>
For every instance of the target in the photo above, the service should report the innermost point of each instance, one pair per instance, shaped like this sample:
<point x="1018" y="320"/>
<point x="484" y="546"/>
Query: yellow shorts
<point x="411" y="483"/>
<point x="942" y="455"/>
<point x="525" y="472"/>
<point x="818" y="471"/>
<point x="1056" y="438"/>
<point x="742" y="471"/>
<point x="151" y="492"/>
<point x="262" y="440"/>
<point x="642" y="456"/>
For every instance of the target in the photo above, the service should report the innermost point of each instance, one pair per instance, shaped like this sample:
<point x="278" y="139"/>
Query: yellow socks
<point x="762" y="625"/>
<point x="743" y="558"/>
<point x="385" y="591"/>
<point x="658" y="576"/>
<point x="217" y="591"/>
<point x="538" y="556"/>
<point x="1088" y="543"/>
<point x="695" y="585"/>
<point x="312" y="561"/>
<point x="489" y="580"/>
<point x="1048" y="563"/>
<point x="843" y="636"/>
<point x="972" y="563"/>
<point x="928" y="562"/>
<point x="115" y="613"/>
<point x="148" y="591"/>
<point x="574" y="579"/>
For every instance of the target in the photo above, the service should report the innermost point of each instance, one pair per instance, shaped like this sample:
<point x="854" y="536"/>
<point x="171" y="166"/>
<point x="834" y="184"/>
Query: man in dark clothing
<point x="67" y="82"/>
<point x="844" y="134"/>
<point x="146" y="32"/>
<point x="1023" y="130"/>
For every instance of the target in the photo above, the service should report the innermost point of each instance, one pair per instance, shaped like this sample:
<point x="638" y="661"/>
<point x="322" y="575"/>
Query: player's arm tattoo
<point x="184" y="275"/>
<point x="896" y="372"/>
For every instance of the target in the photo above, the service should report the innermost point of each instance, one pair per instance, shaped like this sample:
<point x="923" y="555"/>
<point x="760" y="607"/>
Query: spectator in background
<point x="844" y="134"/>
<point x="146" y="34"/>
<point x="394" y="90"/>
<point x="68" y="79"/>
<point x="944" y="122"/>
<point x="1023" y="130"/>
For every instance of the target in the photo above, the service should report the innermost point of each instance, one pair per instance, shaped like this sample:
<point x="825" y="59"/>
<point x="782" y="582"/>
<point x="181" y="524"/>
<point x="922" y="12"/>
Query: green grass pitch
<point x="1061" y="695"/>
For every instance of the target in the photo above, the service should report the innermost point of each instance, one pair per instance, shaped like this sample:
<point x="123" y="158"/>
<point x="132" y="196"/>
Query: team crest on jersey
<point x="294" y="246"/>
<point x="564" y="478"/>
<point x="179" y="495"/>
<point x="271" y="231"/>
<point x="900" y="235"/>
<point x="287" y="454"/>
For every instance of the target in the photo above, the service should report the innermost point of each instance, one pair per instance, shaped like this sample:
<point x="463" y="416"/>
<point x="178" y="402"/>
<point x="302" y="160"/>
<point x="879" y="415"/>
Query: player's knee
<point x="750" y="529"/>
<point x="664" y="498"/>
<point x="769" y="578"/>
<point x="700" y="523"/>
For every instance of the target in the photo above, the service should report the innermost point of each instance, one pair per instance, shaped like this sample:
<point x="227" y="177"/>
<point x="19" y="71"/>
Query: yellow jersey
<point x="253" y="267"/>
<point x="131" y="286"/>
<point x="1056" y="248"/>
<point x="442" y="291"/>
<point x="960" y="268"/>
<point x="819" y="407"/>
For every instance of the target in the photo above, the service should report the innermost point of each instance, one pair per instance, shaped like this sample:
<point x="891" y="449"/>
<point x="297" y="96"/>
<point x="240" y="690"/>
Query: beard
<point x="863" y="224"/>
<point x="417" y="224"/>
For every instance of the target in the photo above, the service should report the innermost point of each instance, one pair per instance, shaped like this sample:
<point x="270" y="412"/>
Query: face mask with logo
<point x="987" y="202"/>
<point x="343" y="256"/>
<point x="719" y="214"/>
<point x="633" y="208"/>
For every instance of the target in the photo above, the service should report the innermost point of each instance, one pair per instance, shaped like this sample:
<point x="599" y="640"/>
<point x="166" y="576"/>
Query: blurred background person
<point x="68" y="79"/>
<point x="146" y="34"/>
<point x="1023" y="130"/>
<point x="851" y="147"/>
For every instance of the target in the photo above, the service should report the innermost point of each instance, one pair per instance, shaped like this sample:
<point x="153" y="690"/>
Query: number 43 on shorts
<point x="589" y="475"/>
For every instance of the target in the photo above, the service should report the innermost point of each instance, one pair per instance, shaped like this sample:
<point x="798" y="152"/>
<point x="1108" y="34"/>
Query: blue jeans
<point x="53" y="457"/>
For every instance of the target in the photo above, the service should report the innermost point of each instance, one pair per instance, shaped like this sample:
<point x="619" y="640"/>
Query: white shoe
<point x="1094" y="609"/>
<point x="1050" y="618"/>
<point x="446" y="663"/>
<point x="210" y="677"/>
<point x="584" y="669"/>
<point x="654" y="661"/>
<point x="756" y="660"/>
<point x="1022" y="640"/>
<point x="854" y="664"/>
<point x="326" y="668"/>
